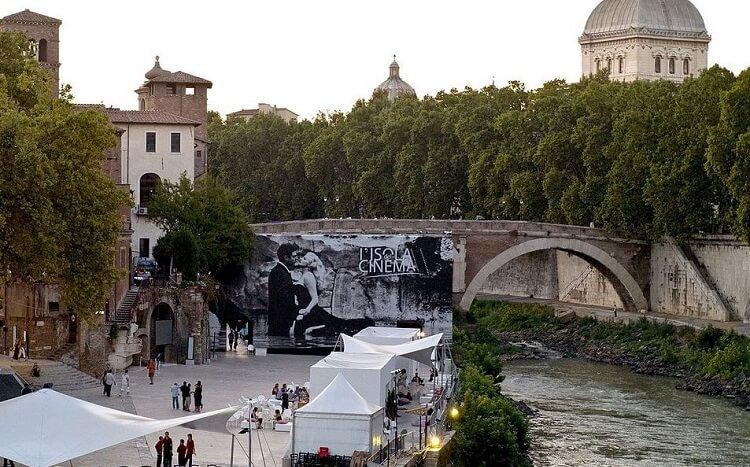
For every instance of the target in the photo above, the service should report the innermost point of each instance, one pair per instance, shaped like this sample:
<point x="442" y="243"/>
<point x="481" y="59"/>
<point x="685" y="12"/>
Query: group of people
<point x="289" y="395"/>
<point x="190" y="396"/>
<point x="165" y="451"/>
<point x="234" y="339"/>
<point x="108" y="380"/>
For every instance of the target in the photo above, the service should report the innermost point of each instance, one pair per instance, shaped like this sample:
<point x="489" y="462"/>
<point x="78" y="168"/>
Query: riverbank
<point x="711" y="361"/>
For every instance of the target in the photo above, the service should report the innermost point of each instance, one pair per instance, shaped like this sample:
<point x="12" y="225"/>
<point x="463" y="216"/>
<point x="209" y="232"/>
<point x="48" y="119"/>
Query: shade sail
<point x="387" y="336"/>
<point x="419" y="350"/>
<point x="45" y="428"/>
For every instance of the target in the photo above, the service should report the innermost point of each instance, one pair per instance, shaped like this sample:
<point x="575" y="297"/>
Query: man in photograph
<point x="282" y="305"/>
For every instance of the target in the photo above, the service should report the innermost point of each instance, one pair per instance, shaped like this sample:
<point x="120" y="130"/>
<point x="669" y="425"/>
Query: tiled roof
<point x="243" y="112"/>
<point x="147" y="116"/>
<point x="180" y="77"/>
<point x="28" y="16"/>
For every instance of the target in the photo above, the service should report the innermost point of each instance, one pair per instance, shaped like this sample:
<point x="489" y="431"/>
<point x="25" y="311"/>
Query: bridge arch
<point x="624" y="282"/>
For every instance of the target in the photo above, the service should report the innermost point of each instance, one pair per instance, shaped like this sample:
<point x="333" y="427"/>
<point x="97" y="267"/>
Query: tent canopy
<point x="419" y="350"/>
<point x="387" y="336"/>
<point x="368" y="373"/>
<point x="361" y="361"/>
<point x="339" y="397"/>
<point x="45" y="428"/>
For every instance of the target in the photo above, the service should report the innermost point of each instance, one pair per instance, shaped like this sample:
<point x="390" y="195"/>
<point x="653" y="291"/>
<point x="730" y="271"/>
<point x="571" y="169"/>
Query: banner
<point x="304" y="290"/>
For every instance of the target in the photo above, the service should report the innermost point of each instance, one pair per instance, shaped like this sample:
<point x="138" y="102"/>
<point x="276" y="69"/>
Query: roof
<point x="251" y="112"/>
<point x="671" y="18"/>
<point x="339" y="397"/>
<point x="147" y="116"/>
<point x="394" y="86"/>
<point x="355" y="361"/>
<point x="419" y="350"/>
<point x="180" y="77"/>
<point x="28" y="16"/>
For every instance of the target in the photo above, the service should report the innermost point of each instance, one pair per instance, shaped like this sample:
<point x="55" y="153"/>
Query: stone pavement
<point x="228" y="377"/>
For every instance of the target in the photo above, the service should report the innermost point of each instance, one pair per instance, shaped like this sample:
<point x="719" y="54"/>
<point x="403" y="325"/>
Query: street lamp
<point x="435" y="441"/>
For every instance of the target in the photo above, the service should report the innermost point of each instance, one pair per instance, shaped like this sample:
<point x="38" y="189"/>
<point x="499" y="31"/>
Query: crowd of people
<point x="165" y="451"/>
<point x="190" y="396"/>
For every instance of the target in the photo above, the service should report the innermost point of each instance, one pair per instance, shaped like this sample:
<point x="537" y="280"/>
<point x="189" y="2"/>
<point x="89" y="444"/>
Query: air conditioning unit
<point x="142" y="210"/>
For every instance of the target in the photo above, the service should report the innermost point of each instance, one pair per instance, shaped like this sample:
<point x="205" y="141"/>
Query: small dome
<point x="394" y="86"/>
<point x="675" y="18"/>
<point x="156" y="71"/>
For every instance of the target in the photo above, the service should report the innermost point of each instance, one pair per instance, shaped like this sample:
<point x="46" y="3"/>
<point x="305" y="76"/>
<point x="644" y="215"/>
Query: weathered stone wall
<point x="93" y="347"/>
<point x="532" y="275"/>
<point x="580" y="282"/>
<point x="728" y="263"/>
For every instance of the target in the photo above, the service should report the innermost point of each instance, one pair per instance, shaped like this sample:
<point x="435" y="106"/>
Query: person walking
<point x="159" y="446"/>
<point x="151" y="368"/>
<point x="167" y="450"/>
<point x="182" y="454"/>
<point x="198" y="397"/>
<point x="109" y="381"/>
<point x="190" y="450"/>
<point x="22" y="350"/>
<point x="185" y="391"/>
<point x="125" y="383"/>
<point x="175" y="391"/>
<point x="236" y="339"/>
<point x="231" y="339"/>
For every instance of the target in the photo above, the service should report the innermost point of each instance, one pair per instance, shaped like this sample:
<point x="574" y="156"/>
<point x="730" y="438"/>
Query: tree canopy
<point x="641" y="159"/>
<point x="58" y="209"/>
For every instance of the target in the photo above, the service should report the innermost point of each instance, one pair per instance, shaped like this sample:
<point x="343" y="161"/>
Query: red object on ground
<point x="324" y="452"/>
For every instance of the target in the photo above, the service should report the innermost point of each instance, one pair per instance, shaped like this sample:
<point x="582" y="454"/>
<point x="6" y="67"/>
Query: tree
<point x="58" y="209"/>
<point x="206" y="231"/>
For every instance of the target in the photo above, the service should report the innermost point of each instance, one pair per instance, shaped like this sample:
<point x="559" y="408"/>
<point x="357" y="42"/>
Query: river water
<point x="604" y="415"/>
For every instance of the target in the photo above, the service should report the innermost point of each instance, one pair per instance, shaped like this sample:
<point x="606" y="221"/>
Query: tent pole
<point x="231" y="454"/>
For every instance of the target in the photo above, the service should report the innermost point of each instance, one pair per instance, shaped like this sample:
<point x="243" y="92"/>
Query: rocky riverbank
<point x="536" y="344"/>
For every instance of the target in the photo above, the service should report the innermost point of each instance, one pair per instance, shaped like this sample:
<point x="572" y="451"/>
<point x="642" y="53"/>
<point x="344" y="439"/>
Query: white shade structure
<point x="419" y="350"/>
<point x="387" y="336"/>
<point x="368" y="373"/>
<point x="47" y="428"/>
<point x="339" y="419"/>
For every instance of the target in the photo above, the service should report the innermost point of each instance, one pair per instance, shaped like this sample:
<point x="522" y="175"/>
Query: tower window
<point x="171" y="89"/>
<point x="657" y="65"/>
<point x="686" y="66"/>
<point x="141" y="104"/>
<point x="175" y="142"/>
<point x="42" y="50"/>
<point x="150" y="141"/>
<point x="620" y="65"/>
<point x="671" y="65"/>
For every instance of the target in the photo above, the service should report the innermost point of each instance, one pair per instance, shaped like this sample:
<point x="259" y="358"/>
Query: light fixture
<point x="454" y="412"/>
<point x="434" y="441"/>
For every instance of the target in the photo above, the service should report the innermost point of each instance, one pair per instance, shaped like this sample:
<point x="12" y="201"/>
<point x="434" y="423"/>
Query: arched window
<point x="598" y="65"/>
<point x="141" y="104"/>
<point x="657" y="65"/>
<point x="671" y="65"/>
<point x="147" y="189"/>
<point x="620" y="65"/>
<point x="42" y="50"/>
<point x="686" y="66"/>
<point x="609" y="65"/>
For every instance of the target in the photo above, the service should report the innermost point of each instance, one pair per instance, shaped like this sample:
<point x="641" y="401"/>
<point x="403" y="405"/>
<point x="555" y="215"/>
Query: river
<point x="604" y="415"/>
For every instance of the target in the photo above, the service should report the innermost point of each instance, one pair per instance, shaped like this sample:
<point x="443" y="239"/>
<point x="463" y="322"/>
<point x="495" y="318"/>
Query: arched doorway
<point x="162" y="332"/>
<point x="624" y="283"/>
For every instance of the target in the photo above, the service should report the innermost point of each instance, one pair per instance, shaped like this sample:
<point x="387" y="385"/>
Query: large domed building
<point x="645" y="39"/>
<point x="394" y="86"/>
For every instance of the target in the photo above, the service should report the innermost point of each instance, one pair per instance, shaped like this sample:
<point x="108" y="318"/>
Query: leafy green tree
<point x="58" y="209"/>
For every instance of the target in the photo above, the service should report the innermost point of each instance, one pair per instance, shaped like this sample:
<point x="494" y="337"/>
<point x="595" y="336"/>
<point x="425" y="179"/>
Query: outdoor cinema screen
<point x="304" y="290"/>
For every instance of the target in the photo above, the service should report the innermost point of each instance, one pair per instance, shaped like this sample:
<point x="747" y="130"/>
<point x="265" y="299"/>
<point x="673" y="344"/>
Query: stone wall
<point x="580" y="282"/>
<point x="532" y="275"/>
<point x="728" y="263"/>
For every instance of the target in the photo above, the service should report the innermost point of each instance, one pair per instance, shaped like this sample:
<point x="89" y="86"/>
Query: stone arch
<point x="162" y="311"/>
<point x="625" y="284"/>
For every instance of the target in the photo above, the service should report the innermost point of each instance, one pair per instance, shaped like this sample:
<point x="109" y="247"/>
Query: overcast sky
<point x="322" y="55"/>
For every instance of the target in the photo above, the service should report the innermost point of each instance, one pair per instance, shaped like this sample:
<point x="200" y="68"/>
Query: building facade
<point x="645" y="39"/>
<point x="285" y="114"/>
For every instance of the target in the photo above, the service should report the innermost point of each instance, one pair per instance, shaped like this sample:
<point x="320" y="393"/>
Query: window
<point x="609" y="65"/>
<point x="621" y="65"/>
<point x="171" y="89"/>
<point x="190" y="90"/>
<point x="53" y="308"/>
<point x="174" y="142"/>
<point x="657" y="65"/>
<point x="42" y="50"/>
<point x="198" y="153"/>
<point x="686" y="66"/>
<point x="141" y="104"/>
<point x="144" y="247"/>
<point x="147" y="184"/>
<point x="671" y="65"/>
<point x="598" y="65"/>
<point x="150" y="141"/>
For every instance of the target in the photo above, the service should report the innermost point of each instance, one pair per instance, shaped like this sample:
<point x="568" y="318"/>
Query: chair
<point x="287" y="414"/>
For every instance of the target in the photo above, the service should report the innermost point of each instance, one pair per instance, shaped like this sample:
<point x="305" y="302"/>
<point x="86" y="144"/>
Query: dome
<point x="394" y="86"/>
<point x="672" y="18"/>
<point x="156" y="71"/>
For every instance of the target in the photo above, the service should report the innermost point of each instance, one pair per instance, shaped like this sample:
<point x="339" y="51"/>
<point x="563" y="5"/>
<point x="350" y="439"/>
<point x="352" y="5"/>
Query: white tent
<point x="339" y="419"/>
<point x="387" y="336"/>
<point x="420" y="350"/>
<point x="368" y="373"/>
<point x="46" y="428"/>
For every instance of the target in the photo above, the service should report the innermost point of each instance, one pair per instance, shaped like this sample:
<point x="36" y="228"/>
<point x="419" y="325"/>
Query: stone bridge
<point x="483" y="247"/>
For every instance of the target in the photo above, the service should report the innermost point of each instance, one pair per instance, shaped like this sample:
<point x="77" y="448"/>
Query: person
<point x="16" y="349"/>
<point x="284" y="400"/>
<point x="159" y="445"/>
<point x="277" y="415"/>
<point x="280" y="392"/>
<point x="231" y="339"/>
<point x="188" y="399"/>
<point x="109" y="381"/>
<point x="416" y="378"/>
<point x="159" y="360"/>
<point x="185" y="391"/>
<point x="22" y="349"/>
<point x="282" y="305"/>
<point x="303" y="397"/>
<point x="275" y="390"/>
<point x="181" y="454"/>
<point x="433" y="373"/>
<point x="190" y="450"/>
<point x="167" y="450"/>
<point x="198" y="397"/>
<point x="175" y="391"/>
<point x="236" y="339"/>
<point x="256" y="418"/>
<point x="35" y="371"/>
<point x="125" y="383"/>
<point x="151" y="369"/>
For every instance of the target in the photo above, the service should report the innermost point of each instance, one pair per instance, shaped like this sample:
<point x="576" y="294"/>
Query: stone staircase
<point x="123" y="314"/>
<point x="64" y="378"/>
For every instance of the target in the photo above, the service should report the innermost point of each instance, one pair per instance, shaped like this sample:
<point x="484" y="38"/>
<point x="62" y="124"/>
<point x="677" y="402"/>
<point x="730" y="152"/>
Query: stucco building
<point x="281" y="112"/>
<point x="645" y="39"/>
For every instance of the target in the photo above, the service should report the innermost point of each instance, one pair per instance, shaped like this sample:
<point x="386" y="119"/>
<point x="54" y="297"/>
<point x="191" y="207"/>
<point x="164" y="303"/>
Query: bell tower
<point x="44" y="34"/>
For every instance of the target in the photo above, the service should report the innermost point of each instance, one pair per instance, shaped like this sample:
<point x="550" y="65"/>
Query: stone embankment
<point x="535" y="344"/>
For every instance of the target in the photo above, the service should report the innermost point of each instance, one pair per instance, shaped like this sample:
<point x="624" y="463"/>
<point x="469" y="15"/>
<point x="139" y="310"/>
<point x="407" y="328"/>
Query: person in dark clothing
<point x="185" y="390"/>
<point x="159" y="446"/>
<point x="285" y="401"/>
<point x="231" y="339"/>
<point x="167" y="450"/>
<point x="282" y="306"/>
<point x="236" y="339"/>
<point x="190" y="450"/>
<point x="198" y="396"/>
<point x="182" y="454"/>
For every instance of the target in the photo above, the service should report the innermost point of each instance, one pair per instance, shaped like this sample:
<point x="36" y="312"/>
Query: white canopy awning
<point x="387" y="336"/>
<point x="45" y="428"/>
<point x="419" y="350"/>
<point x="339" y="397"/>
<point x="351" y="360"/>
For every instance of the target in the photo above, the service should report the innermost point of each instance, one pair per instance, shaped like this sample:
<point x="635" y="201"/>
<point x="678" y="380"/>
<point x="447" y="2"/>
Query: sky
<point x="323" y="55"/>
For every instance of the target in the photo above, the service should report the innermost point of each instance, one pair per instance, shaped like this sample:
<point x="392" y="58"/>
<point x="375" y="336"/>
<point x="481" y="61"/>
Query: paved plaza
<point x="228" y="377"/>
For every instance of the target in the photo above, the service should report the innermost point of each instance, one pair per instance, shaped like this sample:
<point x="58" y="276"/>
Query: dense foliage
<point x="58" y="210"/>
<point x="490" y="430"/>
<point x="709" y="352"/>
<point x="642" y="159"/>
<point x="205" y="230"/>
